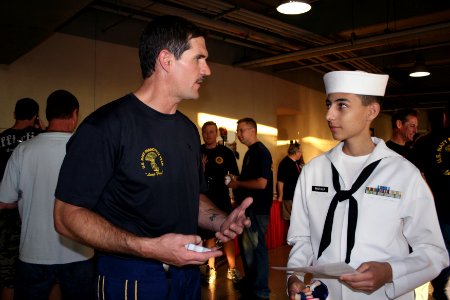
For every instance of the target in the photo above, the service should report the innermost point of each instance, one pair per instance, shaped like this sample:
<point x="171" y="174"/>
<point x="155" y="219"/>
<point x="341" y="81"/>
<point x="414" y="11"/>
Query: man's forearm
<point x="91" y="229"/>
<point x="210" y="217"/>
<point x="255" y="184"/>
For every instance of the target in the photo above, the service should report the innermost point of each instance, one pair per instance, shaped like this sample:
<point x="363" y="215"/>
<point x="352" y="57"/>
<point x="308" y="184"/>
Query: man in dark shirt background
<point x="256" y="181"/>
<point x="404" y="127"/>
<point x="431" y="154"/>
<point x="26" y="126"/>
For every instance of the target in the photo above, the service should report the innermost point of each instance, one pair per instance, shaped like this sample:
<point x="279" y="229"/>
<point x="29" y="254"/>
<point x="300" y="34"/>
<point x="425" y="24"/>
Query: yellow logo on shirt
<point x="219" y="160"/>
<point x="443" y="156"/>
<point x="152" y="162"/>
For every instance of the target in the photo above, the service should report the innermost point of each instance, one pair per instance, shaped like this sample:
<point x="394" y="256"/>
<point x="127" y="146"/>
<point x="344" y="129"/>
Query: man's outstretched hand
<point x="235" y="223"/>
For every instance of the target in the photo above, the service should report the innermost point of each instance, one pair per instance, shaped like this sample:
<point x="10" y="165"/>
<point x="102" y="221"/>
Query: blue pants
<point x="255" y="257"/>
<point x="137" y="279"/>
<point x="35" y="281"/>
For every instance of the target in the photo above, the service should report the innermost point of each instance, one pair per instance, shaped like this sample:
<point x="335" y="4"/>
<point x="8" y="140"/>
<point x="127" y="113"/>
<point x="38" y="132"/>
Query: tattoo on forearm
<point x="213" y="217"/>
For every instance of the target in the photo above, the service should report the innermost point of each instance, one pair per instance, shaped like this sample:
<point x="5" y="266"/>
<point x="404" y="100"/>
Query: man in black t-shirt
<point x="131" y="183"/>
<point x="287" y="176"/>
<point x="26" y="117"/>
<point x="431" y="154"/>
<point x="404" y="126"/>
<point x="218" y="161"/>
<point x="256" y="181"/>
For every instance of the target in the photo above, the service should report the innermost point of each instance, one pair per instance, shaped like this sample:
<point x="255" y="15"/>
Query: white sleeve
<point x="299" y="232"/>
<point x="422" y="231"/>
<point x="9" y="187"/>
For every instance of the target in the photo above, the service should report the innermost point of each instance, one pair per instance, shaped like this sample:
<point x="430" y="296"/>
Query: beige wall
<point x="97" y="72"/>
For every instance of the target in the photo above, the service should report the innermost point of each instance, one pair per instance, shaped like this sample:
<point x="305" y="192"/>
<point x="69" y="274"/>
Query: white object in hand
<point x="196" y="248"/>
<point x="227" y="179"/>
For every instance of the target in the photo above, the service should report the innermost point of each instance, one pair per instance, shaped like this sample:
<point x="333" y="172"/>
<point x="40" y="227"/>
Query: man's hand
<point x="233" y="184"/>
<point x="372" y="275"/>
<point x="234" y="224"/>
<point x="295" y="286"/>
<point x="170" y="249"/>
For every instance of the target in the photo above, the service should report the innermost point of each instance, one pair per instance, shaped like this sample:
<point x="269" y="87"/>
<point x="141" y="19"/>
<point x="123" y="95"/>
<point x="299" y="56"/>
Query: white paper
<point x="332" y="270"/>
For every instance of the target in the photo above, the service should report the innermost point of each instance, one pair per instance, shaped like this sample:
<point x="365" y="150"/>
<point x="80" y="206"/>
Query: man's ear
<point x="399" y="123"/>
<point x="373" y="110"/>
<point x="165" y="59"/>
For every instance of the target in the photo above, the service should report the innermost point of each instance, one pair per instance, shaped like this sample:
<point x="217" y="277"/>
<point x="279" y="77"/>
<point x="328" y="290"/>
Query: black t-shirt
<point x="288" y="172"/>
<point x="221" y="160"/>
<point x="9" y="139"/>
<point x="404" y="151"/>
<point x="257" y="163"/>
<point x="138" y="168"/>
<point x="431" y="154"/>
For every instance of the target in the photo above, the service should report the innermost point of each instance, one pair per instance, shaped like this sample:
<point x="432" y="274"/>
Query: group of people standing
<point x="34" y="257"/>
<point x="255" y="180"/>
<point x="132" y="185"/>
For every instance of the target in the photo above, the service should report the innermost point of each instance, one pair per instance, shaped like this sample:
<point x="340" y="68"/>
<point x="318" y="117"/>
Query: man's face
<point x="347" y="117"/>
<point x="245" y="133"/>
<point x="190" y="70"/>
<point x="408" y="128"/>
<point x="209" y="134"/>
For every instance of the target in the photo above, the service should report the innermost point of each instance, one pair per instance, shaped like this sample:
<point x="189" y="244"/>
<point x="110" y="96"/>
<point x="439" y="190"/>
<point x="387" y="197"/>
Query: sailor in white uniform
<point x="363" y="204"/>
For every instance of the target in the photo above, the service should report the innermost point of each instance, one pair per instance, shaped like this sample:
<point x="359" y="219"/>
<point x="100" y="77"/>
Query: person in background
<point x="256" y="181"/>
<point x="404" y="127"/>
<point x="218" y="161"/>
<point x="363" y="204"/>
<point x="288" y="171"/>
<point x="431" y="154"/>
<point x="31" y="175"/>
<point x="26" y="115"/>
<point x="131" y="184"/>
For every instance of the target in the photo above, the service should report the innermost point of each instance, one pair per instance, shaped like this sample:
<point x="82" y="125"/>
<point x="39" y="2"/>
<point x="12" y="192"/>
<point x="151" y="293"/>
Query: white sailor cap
<point x="355" y="82"/>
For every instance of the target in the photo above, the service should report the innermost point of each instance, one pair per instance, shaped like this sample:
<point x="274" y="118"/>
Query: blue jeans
<point x="134" y="279"/>
<point x="255" y="257"/>
<point x="34" y="281"/>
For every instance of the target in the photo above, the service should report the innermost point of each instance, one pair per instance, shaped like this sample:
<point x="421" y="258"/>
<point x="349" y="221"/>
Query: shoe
<point x="212" y="275"/>
<point x="234" y="275"/>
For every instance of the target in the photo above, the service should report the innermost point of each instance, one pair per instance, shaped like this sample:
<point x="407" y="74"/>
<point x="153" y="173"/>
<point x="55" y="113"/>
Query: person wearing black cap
<point x="362" y="204"/>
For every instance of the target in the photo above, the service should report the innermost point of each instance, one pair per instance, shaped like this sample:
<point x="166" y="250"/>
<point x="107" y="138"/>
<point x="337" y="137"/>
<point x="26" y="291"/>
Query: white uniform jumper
<point x="395" y="209"/>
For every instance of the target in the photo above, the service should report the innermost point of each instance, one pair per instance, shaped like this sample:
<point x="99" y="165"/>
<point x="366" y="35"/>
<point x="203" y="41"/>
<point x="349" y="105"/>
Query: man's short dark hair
<point x="402" y="115"/>
<point x="209" y="123"/>
<point x="294" y="147"/>
<point x="249" y="121"/>
<point x="166" y="32"/>
<point x="367" y="99"/>
<point x="60" y="105"/>
<point x="26" y="109"/>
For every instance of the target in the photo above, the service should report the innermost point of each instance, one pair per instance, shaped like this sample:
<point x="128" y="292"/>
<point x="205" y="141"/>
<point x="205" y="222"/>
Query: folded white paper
<point x="332" y="270"/>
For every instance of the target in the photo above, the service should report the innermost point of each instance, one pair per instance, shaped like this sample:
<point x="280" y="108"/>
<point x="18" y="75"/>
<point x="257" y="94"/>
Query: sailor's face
<point x="346" y="116"/>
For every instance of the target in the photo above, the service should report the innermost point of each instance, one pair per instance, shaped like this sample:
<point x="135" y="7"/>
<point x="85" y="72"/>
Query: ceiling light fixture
<point x="419" y="69"/>
<point x="293" y="7"/>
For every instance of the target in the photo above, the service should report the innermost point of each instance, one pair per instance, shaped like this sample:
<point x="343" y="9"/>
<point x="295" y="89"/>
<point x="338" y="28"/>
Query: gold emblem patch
<point x="219" y="160"/>
<point x="152" y="162"/>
